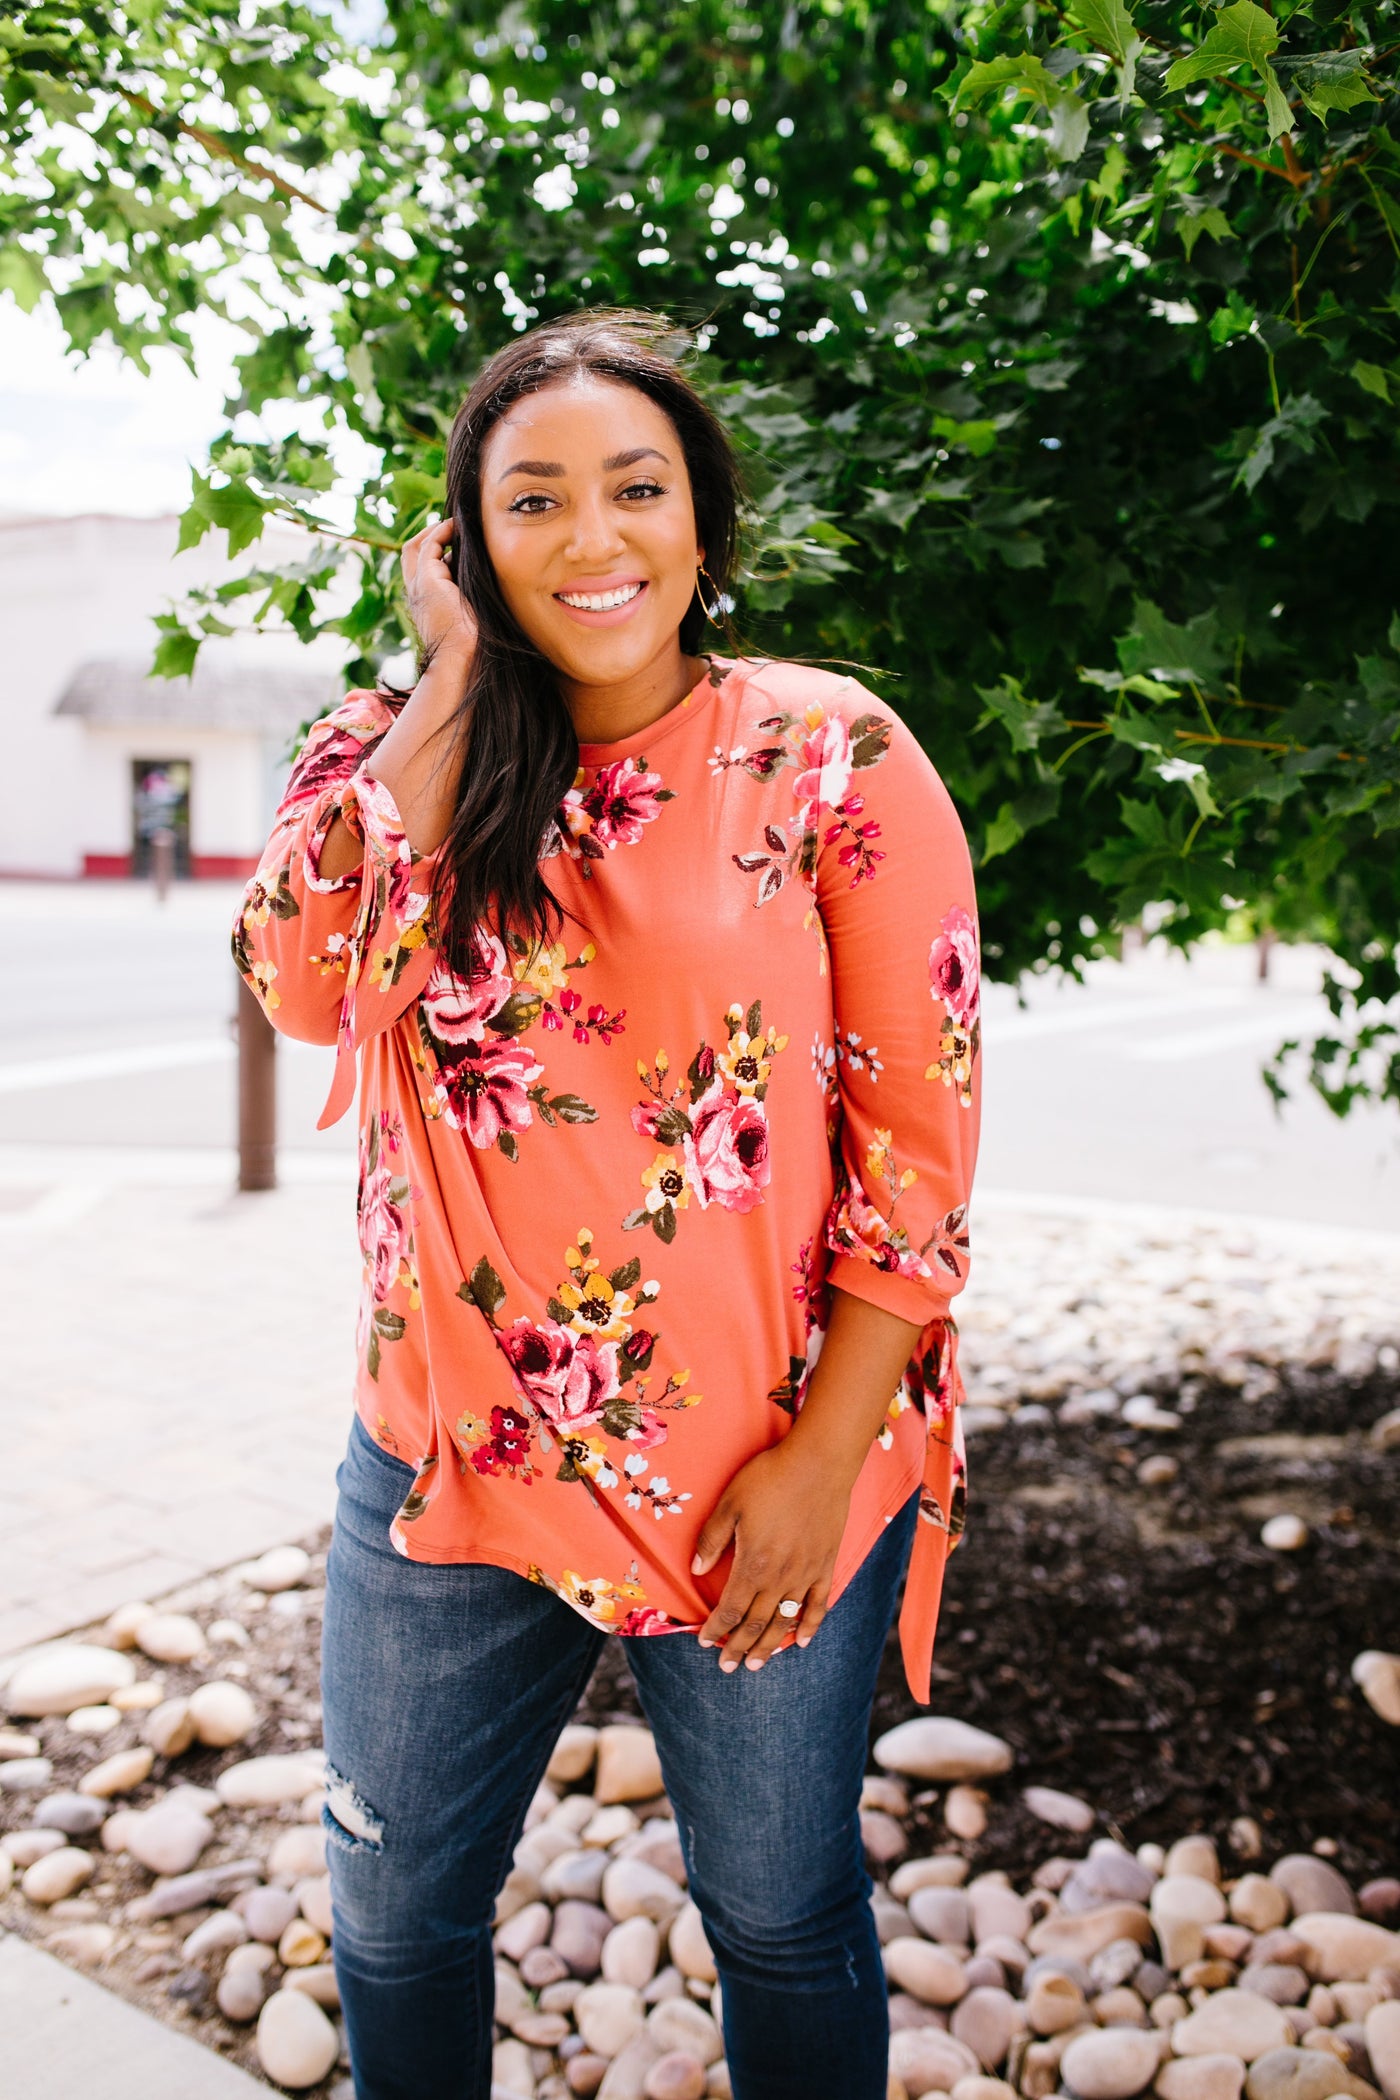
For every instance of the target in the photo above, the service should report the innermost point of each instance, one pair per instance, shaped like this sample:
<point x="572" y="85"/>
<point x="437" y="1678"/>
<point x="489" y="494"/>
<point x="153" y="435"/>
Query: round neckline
<point x="685" y="710"/>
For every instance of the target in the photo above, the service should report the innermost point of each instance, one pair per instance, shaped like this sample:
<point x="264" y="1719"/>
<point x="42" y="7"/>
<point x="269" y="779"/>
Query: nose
<point x="596" y="534"/>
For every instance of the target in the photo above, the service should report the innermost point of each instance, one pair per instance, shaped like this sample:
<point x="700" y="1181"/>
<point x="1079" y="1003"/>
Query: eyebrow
<point x="550" y="469"/>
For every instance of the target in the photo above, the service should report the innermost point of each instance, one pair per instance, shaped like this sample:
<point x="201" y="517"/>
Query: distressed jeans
<point x="445" y="1688"/>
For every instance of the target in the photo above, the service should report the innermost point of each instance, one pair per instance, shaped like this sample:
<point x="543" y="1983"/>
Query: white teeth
<point x="599" y="601"/>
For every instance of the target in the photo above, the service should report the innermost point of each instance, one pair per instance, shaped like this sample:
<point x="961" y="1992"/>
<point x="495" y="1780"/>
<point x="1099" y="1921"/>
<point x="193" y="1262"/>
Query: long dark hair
<point x="518" y="750"/>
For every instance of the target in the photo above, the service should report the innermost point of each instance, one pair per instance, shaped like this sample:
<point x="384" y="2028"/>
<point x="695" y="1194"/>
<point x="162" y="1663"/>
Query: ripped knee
<point x="347" y="1817"/>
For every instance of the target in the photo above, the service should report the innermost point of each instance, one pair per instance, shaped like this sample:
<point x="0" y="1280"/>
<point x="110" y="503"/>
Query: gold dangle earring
<point x="713" y="612"/>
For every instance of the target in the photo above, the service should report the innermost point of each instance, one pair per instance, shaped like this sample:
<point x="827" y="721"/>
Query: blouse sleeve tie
<point x="391" y="949"/>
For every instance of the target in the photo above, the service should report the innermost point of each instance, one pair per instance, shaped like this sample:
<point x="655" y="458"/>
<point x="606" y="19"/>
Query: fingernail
<point x="696" y="1565"/>
<point x="804" y="1640"/>
<point x="755" y="1662"/>
<point x="727" y="1666"/>
<point x="704" y="1643"/>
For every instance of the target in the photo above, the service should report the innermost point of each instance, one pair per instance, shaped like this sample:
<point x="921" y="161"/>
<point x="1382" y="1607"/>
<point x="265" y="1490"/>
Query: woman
<point x="663" y="968"/>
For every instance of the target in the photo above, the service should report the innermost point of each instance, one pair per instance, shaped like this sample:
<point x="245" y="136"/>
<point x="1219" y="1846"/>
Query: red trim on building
<point x="210" y="867"/>
<point x="205" y="867"/>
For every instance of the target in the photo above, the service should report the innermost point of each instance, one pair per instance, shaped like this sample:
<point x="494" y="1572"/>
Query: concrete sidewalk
<point x="177" y="1389"/>
<point x="62" y="2037"/>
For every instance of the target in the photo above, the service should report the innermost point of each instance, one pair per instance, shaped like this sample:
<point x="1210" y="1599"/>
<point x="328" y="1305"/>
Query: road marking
<point x="1017" y="1027"/>
<point x="86" y="1065"/>
<point x="113" y="1064"/>
<point x="1232" y="1035"/>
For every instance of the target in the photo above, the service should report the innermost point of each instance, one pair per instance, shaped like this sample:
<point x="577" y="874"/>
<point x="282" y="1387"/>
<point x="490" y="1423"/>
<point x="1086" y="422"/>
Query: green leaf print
<point x="484" y="1286"/>
<point x="629" y="1273"/>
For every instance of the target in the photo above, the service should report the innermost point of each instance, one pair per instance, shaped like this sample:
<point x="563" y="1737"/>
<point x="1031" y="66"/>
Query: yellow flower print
<point x="747" y="1062"/>
<point x="336" y="956"/>
<point x="594" y="1305"/>
<point x="877" y="1157"/>
<point x="595" y="1596"/>
<point x="953" y="1064"/>
<point x="263" y="974"/>
<point x="588" y="1456"/>
<point x="597" y="1308"/>
<point x="544" y="970"/>
<point x="664" y="1181"/>
<point x="470" y="1431"/>
<point x="408" y="1277"/>
<point x="413" y="936"/>
<point x="381" y="967"/>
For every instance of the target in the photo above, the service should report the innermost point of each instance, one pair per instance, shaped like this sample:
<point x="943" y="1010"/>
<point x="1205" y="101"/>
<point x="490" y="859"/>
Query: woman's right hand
<point x="439" y="611"/>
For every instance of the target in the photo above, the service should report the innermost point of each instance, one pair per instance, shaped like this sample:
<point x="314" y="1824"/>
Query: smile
<point x="600" y="601"/>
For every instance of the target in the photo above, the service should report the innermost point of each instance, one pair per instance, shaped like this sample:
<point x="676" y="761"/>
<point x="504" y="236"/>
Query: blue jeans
<point x="445" y="1688"/>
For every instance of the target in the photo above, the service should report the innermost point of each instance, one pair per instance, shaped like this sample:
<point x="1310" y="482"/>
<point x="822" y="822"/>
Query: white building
<point x="101" y="752"/>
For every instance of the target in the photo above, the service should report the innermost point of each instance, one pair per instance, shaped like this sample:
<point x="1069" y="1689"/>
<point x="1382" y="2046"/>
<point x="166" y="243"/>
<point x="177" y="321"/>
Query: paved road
<point x="1142" y="1086"/>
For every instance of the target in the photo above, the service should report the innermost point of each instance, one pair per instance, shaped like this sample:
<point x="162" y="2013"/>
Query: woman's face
<point x="587" y="516"/>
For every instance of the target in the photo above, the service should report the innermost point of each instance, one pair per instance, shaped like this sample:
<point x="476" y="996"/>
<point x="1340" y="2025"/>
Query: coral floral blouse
<point x="607" y="1185"/>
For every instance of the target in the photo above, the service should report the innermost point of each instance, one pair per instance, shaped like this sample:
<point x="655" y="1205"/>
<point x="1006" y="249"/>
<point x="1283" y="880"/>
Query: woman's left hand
<point x="784" y="1512"/>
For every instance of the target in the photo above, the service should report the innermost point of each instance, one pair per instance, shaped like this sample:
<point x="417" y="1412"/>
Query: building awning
<point x="224" y="692"/>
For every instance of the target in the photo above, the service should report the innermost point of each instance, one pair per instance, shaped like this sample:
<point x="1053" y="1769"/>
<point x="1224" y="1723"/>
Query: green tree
<point x="1061" y="342"/>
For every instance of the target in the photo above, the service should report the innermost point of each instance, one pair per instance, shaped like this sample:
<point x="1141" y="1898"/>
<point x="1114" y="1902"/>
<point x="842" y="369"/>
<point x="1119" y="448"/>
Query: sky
<point x="92" y="434"/>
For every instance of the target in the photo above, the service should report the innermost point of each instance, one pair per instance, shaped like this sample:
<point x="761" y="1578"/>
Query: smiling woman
<point x="663" y="967"/>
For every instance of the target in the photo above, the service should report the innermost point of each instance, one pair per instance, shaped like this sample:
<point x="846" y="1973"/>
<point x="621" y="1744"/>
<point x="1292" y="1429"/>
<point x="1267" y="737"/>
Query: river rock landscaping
<point x="1146" y="1842"/>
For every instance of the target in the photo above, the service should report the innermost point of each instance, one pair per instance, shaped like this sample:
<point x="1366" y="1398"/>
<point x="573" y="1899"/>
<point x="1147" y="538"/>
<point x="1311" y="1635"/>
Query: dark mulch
<point x="1139" y="1646"/>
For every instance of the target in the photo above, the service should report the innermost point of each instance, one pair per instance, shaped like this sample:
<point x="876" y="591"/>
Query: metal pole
<point x="162" y="860"/>
<point x="257" y="1094"/>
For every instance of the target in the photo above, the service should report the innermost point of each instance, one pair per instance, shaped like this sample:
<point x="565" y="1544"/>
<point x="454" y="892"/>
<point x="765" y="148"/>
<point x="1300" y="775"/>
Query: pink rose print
<point x="624" y="798"/>
<point x="385" y="1237"/>
<point x="826" y="771"/>
<point x="645" y="1619"/>
<point x="457" y="1009"/>
<point x="621" y="801"/>
<point x="726" y="1150"/>
<point x="952" y="966"/>
<point x="570" y="1378"/>
<point x="485" y="1091"/>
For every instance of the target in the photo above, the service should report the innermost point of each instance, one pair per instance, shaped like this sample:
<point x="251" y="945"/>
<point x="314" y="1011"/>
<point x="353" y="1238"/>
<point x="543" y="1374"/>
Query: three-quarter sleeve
<point x="337" y="959"/>
<point x="894" y="884"/>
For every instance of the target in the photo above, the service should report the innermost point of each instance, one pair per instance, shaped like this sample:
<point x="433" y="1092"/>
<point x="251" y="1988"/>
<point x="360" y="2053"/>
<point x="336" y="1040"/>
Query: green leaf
<point x="572" y="1109"/>
<point x="626" y="1275"/>
<point x="1025" y="73"/>
<point x="485" y="1287"/>
<point x="1109" y="24"/>
<point x="1373" y="378"/>
<point x="1333" y="80"/>
<point x="1276" y="104"/>
<point x="1025" y="721"/>
<point x="1191" y="225"/>
<point x="1003" y="832"/>
<point x="1244" y="35"/>
<point x="1069" y="127"/>
<point x="175" y="655"/>
<point x="21" y="274"/>
<point x="1156" y="645"/>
